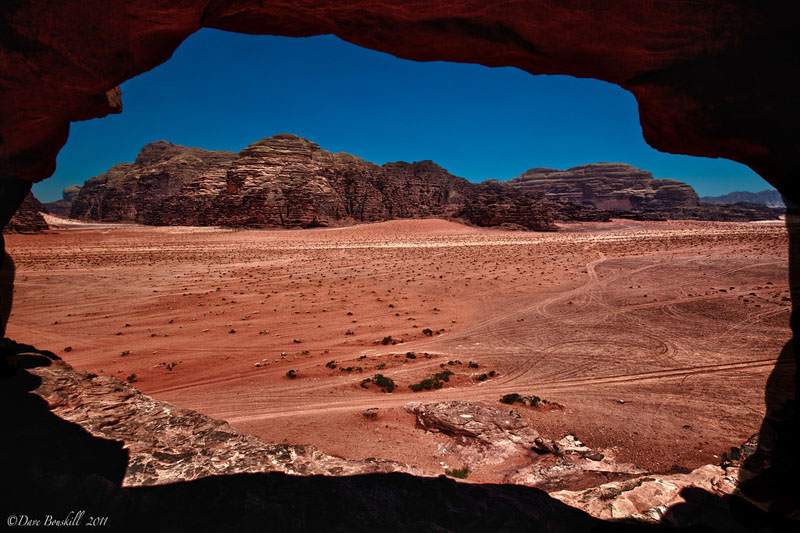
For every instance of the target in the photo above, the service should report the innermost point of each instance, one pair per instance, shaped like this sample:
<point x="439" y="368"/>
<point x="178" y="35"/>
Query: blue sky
<point x="224" y="91"/>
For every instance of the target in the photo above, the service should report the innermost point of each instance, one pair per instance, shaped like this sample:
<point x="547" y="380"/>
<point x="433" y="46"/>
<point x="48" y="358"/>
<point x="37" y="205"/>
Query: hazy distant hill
<point x="62" y="207"/>
<point x="770" y="198"/>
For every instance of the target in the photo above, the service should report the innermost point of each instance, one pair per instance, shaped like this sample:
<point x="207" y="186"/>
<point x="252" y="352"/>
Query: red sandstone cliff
<point x="287" y="181"/>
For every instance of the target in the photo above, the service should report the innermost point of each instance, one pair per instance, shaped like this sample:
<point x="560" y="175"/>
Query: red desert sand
<point x="656" y="337"/>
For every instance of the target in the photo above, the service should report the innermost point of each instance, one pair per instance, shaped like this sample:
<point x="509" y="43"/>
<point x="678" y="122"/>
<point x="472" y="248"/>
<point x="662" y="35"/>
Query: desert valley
<point x="648" y="342"/>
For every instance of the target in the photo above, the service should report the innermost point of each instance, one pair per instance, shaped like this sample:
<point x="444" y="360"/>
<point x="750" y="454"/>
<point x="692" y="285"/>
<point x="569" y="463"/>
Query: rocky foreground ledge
<point x="78" y="441"/>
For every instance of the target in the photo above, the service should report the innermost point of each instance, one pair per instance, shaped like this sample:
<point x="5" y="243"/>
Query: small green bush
<point x="291" y="374"/>
<point x="533" y="401"/>
<point x="511" y="399"/>
<point x="386" y="384"/>
<point x="444" y="375"/>
<point x="433" y="382"/>
<point x="460" y="473"/>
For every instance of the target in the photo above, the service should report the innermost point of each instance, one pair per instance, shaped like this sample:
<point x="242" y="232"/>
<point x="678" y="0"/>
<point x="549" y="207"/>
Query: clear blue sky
<point x="224" y="91"/>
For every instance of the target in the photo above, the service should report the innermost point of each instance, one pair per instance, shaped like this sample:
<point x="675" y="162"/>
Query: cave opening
<point x="745" y="331"/>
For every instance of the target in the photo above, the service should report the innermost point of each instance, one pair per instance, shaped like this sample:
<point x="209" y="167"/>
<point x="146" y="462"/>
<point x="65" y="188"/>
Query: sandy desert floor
<point x="683" y="321"/>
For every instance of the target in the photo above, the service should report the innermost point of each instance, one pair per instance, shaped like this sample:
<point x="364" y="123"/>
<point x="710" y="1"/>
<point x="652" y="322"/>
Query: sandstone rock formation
<point x="287" y="181"/>
<point x="628" y="192"/>
<point x="608" y="186"/>
<point x="61" y="208"/>
<point x="28" y="218"/>
<point x="653" y="498"/>
<point x="484" y="436"/>
<point x="162" y="173"/>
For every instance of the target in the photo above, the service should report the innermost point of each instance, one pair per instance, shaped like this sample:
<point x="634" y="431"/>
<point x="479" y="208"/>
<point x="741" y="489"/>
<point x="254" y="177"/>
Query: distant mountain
<point x="61" y="208"/>
<point x="770" y="198"/>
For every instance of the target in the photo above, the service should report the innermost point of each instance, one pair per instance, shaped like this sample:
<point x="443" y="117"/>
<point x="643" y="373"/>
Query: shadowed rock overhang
<point x="711" y="78"/>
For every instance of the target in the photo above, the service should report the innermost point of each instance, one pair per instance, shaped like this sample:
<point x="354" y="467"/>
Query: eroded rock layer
<point x="167" y="443"/>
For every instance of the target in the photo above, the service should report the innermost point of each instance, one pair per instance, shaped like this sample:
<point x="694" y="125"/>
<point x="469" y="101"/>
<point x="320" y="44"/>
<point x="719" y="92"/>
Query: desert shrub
<point x="428" y="332"/>
<point x="533" y="401"/>
<point x="482" y="377"/>
<point x="381" y="366"/>
<point x="330" y="364"/>
<point x="365" y="382"/>
<point x="411" y="355"/>
<point x="131" y="378"/>
<point x="444" y="375"/>
<point x="473" y="364"/>
<point x="510" y="399"/>
<point x="460" y="473"/>
<point x="350" y="369"/>
<point x="433" y="382"/>
<point x="291" y="374"/>
<point x="388" y="340"/>
<point x="386" y="384"/>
